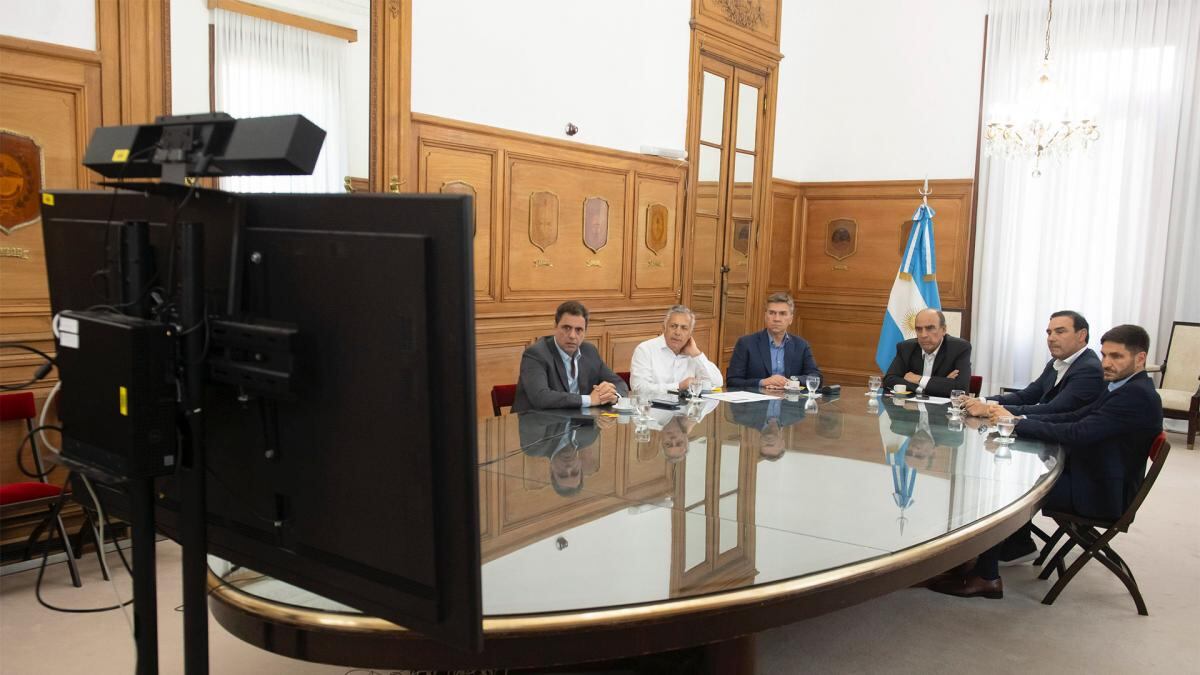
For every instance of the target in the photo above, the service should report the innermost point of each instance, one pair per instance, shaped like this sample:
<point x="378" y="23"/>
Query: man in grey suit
<point x="564" y="371"/>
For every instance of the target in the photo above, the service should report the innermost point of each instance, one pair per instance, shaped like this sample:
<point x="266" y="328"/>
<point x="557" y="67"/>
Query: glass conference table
<point x="694" y="527"/>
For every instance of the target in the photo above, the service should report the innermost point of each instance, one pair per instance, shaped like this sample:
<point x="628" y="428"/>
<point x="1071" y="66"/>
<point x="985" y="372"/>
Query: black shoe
<point x="1015" y="553"/>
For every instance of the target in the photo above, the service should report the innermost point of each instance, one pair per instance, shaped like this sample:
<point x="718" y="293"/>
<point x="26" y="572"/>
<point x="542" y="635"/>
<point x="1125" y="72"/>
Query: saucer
<point x="623" y="408"/>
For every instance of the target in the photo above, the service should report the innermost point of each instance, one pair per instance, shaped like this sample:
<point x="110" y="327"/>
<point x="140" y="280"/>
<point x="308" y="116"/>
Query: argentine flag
<point x="915" y="288"/>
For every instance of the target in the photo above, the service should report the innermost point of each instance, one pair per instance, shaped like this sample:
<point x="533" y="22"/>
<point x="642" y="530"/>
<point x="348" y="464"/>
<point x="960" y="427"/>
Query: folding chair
<point x="1086" y="533"/>
<point x="16" y="499"/>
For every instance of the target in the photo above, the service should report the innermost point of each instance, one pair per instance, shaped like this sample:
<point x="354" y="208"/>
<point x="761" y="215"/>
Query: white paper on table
<point x="741" y="397"/>
<point x="936" y="400"/>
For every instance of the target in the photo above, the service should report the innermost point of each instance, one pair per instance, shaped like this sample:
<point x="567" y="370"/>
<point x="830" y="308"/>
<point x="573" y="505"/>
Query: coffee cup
<point x="623" y="402"/>
<point x="900" y="389"/>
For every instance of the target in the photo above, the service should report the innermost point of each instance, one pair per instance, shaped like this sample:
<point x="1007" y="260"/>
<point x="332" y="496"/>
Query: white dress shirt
<point x="927" y="371"/>
<point x="655" y="365"/>
<point x="1061" y="365"/>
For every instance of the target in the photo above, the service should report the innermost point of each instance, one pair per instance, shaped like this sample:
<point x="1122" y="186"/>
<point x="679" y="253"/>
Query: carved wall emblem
<point x="458" y="187"/>
<point x="21" y="179"/>
<point x="741" y="237"/>
<point x="744" y="13"/>
<point x="543" y="219"/>
<point x="841" y="238"/>
<point x="595" y="223"/>
<point x="657" y="227"/>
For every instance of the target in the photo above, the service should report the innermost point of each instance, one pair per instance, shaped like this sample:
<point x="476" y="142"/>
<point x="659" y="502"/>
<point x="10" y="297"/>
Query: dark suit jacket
<point x="542" y="433"/>
<point x="751" y="361"/>
<point x="1106" y="444"/>
<point x="954" y="354"/>
<point x="1081" y="384"/>
<point x="756" y="414"/>
<point x="543" y="381"/>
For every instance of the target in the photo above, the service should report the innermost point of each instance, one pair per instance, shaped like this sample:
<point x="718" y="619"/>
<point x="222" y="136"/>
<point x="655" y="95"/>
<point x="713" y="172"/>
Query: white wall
<point x="61" y="22"/>
<point x="878" y="89"/>
<point x="617" y="69"/>
<point x="189" y="61"/>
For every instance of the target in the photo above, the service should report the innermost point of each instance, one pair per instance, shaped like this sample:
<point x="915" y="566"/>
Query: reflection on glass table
<point x="587" y="514"/>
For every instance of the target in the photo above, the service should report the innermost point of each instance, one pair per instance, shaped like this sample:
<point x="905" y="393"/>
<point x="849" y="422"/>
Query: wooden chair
<point x="503" y="395"/>
<point x="1093" y="536"/>
<point x="1178" y="386"/>
<point x="34" y="500"/>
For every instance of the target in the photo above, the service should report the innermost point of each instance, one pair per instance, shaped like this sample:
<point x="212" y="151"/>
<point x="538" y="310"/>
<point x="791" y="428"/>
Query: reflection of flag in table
<point x="904" y="477"/>
<point x="914" y="289"/>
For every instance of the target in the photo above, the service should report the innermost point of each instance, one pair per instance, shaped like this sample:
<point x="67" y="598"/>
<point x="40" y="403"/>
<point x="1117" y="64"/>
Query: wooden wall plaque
<point x="543" y="219"/>
<point x="595" y="223"/>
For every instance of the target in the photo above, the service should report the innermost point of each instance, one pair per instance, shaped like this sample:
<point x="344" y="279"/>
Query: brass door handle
<point x="394" y="184"/>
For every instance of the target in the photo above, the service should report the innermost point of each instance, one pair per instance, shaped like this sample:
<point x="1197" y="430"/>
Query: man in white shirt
<point x="672" y="360"/>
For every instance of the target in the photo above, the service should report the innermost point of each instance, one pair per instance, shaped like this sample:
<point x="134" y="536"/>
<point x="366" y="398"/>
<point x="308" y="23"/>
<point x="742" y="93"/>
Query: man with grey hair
<point x="672" y="360"/>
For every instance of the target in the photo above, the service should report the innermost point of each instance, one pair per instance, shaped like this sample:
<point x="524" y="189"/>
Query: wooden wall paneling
<point x="392" y="156"/>
<point x="133" y="37"/>
<point x="445" y="167"/>
<point x="564" y="267"/>
<point x="657" y="269"/>
<point x="843" y="339"/>
<point x="753" y="23"/>
<point x="880" y="210"/>
<point x="779" y="255"/>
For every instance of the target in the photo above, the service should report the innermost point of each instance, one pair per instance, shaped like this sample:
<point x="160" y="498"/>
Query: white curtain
<point x="1111" y="232"/>
<point x="265" y="68"/>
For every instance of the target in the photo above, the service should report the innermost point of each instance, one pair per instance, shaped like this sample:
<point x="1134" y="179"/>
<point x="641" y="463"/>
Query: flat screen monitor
<point x="360" y="485"/>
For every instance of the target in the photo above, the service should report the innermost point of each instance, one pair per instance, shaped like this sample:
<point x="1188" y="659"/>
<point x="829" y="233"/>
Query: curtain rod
<point x="286" y="18"/>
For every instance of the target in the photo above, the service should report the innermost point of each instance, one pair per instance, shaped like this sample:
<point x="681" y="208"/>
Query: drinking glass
<point x="644" y="403"/>
<point x="1005" y="425"/>
<point x="695" y="387"/>
<point x="873" y="384"/>
<point x="957" y="398"/>
<point x="955" y="424"/>
<point x="812" y="382"/>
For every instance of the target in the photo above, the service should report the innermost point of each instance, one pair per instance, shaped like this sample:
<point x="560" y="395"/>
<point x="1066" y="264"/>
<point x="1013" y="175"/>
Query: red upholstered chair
<point x="624" y="375"/>
<point x="1093" y="536"/>
<point x="976" y="385"/>
<point x="18" y="499"/>
<point x="503" y="396"/>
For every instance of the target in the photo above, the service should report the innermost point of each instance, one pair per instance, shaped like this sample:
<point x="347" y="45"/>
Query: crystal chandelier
<point x="1039" y="125"/>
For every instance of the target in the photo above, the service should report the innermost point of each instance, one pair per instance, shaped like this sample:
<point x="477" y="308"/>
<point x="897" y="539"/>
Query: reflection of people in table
<point x="769" y="418"/>
<point x="674" y="438"/>
<point x="565" y="371"/>
<point x="567" y="446"/>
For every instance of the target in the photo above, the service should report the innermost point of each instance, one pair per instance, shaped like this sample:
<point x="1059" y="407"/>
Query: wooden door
<point x="728" y="145"/>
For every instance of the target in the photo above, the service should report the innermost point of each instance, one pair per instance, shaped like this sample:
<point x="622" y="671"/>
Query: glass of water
<point x="873" y="384"/>
<point x="957" y="398"/>
<point x="812" y="382"/>
<point x="695" y="387"/>
<point x="1006" y="425"/>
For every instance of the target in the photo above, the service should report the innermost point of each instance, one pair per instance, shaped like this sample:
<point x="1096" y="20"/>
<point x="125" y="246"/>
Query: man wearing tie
<point x="563" y="370"/>
<point x="769" y="357"/>
<point x="933" y="363"/>
<point x="1106" y="445"/>
<point x="1072" y="378"/>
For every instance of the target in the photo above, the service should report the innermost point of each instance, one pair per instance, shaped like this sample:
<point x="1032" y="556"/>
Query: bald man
<point x="933" y="363"/>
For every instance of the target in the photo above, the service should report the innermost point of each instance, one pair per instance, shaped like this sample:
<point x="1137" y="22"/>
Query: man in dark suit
<point x="771" y="356"/>
<point x="565" y="371"/>
<point x="558" y="438"/>
<point x="1072" y="379"/>
<point x="1106" y="445"/>
<point x="932" y="363"/>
